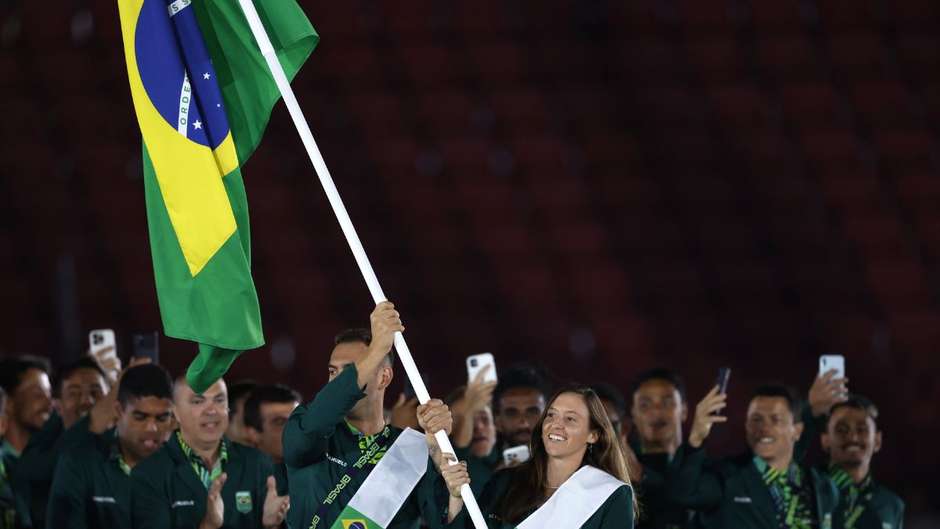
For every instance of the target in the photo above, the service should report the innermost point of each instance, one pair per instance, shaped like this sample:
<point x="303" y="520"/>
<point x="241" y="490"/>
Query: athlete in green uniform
<point x="326" y="438"/>
<point x="474" y="435"/>
<point x="25" y="379"/>
<point x="764" y="489"/>
<point x="265" y="413"/>
<point x="10" y="505"/>
<point x="852" y="438"/>
<point x="201" y="479"/>
<point x="573" y="436"/>
<point x="92" y="483"/>
<point x="658" y="411"/>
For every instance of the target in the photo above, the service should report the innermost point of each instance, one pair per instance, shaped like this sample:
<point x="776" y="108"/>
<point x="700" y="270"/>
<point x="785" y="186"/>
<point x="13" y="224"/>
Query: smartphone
<point x="724" y="374"/>
<point x="476" y="363"/>
<point x="147" y="345"/>
<point x="515" y="455"/>
<point x="102" y="344"/>
<point x="830" y="362"/>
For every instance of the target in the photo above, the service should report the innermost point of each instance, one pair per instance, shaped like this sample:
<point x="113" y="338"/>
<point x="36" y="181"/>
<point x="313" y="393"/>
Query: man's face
<point x="274" y="416"/>
<point x="236" y="424"/>
<point x="771" y="430"/>
<point x="484" y="433"/>
<point x="144" y="424"/>
<point x="202" y="417"/>
<point x="851" y="438"/>
<point x="31" y="402"/>
<point x="658" y="414"/>
<point x="350" y="353"/>
<point x="79" y="392"/>
<point x="519" y="412"/>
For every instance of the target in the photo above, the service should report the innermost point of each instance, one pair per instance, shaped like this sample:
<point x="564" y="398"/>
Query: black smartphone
<point x="147" y="345"/>
<point x="724" y="374"/>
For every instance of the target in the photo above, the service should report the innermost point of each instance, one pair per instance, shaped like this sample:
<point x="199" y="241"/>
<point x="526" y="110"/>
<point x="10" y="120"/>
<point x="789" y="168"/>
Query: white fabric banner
<point x="390" y="483"/>
<point x="575" y="501"/>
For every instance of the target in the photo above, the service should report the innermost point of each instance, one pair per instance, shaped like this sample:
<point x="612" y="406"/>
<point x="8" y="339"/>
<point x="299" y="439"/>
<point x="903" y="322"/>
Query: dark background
<point x="599" y="186"/>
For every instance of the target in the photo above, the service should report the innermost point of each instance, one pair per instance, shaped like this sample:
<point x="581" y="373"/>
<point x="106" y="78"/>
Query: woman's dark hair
<point x="528" y="481"/>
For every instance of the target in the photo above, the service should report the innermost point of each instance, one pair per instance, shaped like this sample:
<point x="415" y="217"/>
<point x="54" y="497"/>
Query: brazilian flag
<point x="203" y="95"/>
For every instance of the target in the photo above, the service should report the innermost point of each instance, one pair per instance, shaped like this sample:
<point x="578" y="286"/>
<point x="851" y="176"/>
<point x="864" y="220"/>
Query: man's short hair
<point x="85" y="362"/>
<point x="237" y="391"/>
<point x="278" y="393"/>
<point x="659" y="373"/>
<point x="521" y="376"/>
<point x="145" y="380"/>
<point x="361" y="335"/>
<point x="784" y="392"/>
<point x="856" y="402"/>
<point x="3" y="402"/>
<point x="12" y="370"/>
<point x="611" y="394"/>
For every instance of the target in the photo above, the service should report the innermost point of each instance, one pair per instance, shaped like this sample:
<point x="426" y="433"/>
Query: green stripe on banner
<point x="352" y="519"/>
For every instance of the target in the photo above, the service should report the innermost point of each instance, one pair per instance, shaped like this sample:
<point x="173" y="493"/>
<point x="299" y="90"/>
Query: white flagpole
<point x="339" y="209"/>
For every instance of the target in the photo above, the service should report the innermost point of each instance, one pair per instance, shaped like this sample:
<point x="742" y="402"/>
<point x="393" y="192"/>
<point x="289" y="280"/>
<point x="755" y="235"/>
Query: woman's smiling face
<point x="567" y="429"/>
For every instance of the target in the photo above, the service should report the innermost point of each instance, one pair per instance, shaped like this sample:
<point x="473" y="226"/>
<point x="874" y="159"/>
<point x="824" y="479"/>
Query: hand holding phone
<point x="832" y="362"/>
<point x="724" y="374"/>
<point x="102" y="343"/>
<point x="477" y="363"/>
<point x="707" y="414"/>
<point x="102" y="346"/>
<point x="830" y="386"/>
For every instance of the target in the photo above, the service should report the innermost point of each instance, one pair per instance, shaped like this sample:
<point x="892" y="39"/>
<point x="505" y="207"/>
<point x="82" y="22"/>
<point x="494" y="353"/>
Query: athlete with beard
<point x="852" y="438"/>
<point x="493" y="419"/>
<point x="658" y="411"/>
<point x="518" y="402"/>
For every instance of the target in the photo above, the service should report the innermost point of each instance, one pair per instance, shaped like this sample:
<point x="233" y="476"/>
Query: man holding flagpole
<point x="346" y="467"/>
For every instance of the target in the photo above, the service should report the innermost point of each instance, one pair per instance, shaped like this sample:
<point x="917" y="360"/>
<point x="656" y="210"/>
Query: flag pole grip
<point x="349" y="231"/>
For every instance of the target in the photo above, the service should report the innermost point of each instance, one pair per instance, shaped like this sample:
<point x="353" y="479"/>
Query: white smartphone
<point x="101" y="344"/>
<point x="830" y="362"/>
<point x="515" y="455"/>
<point x="476" y="363"/>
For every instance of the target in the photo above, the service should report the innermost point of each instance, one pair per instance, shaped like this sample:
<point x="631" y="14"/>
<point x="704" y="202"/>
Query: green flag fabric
<point x="203" y="96"/>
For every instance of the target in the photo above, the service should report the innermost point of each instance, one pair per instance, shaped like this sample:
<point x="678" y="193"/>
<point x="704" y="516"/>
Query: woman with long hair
<point x="577" y="475"/>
